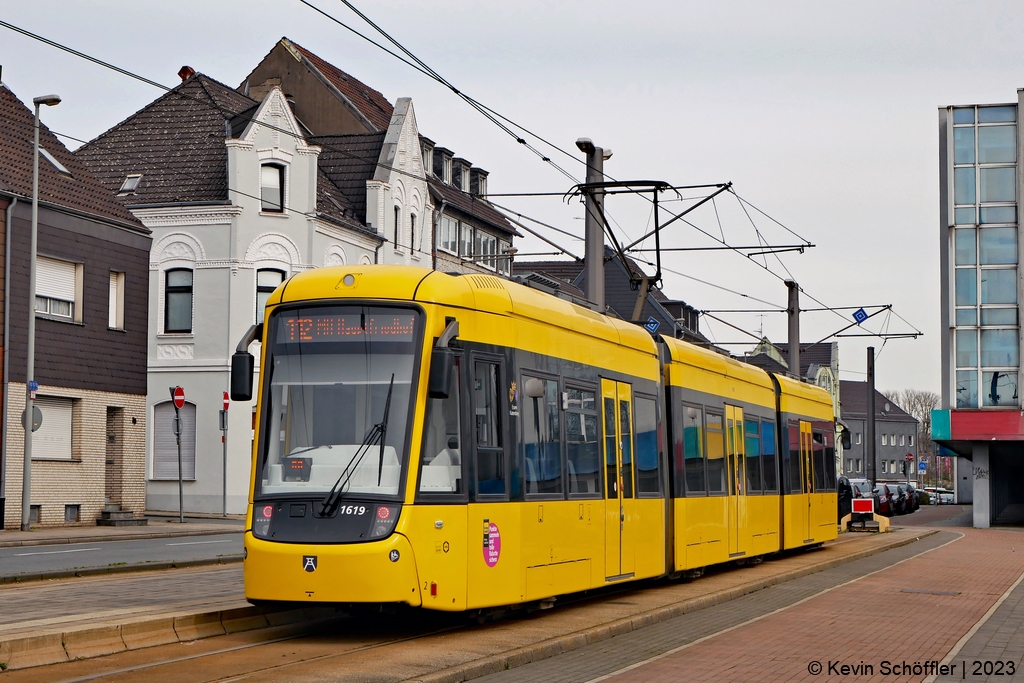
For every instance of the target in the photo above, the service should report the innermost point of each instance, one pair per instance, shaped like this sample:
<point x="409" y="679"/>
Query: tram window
<point x="609" y="447"/>
<point x="828" y="456"/>
<point x="769" y="462"/>
<point x="583" y="457"/>
<point x="626" y="430"/>
<point x="648" y="479"/>
<point x="490" y="461"/>
<point x="441" y="462"/>
<point x="542" y="441"/>
<point x="796" y="484"/>
<point x="693" y="451"/>
<point x="753" y="444"/>
<point x="716" y="453"/>
<point x="818" y="440"/>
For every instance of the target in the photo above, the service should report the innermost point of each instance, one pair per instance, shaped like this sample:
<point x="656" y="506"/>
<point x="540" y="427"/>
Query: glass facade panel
<point x="995" y="316"/>
<point x="965" y="247"/>
<point x="999" y="286"/>
<point x="998" y="348"/>
<point x="963" y="186"/>
<point x="996" y="144"/>
<point x="966" y="388"/>
<point x="966" y="349"/>
<point x="963" y="145"/>
<point x="998" y="184"/>
<point x="966" y="317"/>
<point x="1000" y="388"/>
<point x="966" y="287"/>
<point x="968" y="216"/>
<point x="963" y="115"/>
<point x="997" y="114"/>
<point x="998" y="214"/>
<point x="997" y="246"/>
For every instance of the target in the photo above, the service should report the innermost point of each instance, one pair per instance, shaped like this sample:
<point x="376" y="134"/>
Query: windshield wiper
<point x="307" y="448"/>
<point x="375" y="435"/>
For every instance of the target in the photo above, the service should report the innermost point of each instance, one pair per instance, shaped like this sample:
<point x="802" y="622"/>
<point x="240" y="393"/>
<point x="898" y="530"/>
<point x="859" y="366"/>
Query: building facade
<point x="91" y="312"/>
<point x="980" y="420"/>
<point x="896" y="436"/>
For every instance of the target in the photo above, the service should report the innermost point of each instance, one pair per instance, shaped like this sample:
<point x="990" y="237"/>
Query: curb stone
<point x="118" y="569"/>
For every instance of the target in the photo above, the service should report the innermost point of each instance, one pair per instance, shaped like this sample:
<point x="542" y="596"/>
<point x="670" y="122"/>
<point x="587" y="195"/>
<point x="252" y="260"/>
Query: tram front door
<point x="737" y="477"/>
<point x="806" y="449"/>
<point x="617" y="418"/>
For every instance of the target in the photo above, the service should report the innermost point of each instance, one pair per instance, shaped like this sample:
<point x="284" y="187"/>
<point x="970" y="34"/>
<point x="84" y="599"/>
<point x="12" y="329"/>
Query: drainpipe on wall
<point x="7" y="341"/>
<point x="433" y="238"/>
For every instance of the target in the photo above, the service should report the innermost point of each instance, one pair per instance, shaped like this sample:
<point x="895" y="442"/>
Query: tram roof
<point x="471" y="291"/>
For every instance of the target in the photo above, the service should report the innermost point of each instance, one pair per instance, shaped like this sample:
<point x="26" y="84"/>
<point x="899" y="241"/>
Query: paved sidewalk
<point x="158" y="527"/>
<point x="913" y="611"/>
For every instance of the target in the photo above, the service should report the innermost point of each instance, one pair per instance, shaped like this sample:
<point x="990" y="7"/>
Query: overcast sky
<point x="822" y="114"/>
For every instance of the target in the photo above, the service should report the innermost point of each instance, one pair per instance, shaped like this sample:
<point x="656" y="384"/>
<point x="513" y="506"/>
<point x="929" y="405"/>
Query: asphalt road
<point x="64" y="556"/>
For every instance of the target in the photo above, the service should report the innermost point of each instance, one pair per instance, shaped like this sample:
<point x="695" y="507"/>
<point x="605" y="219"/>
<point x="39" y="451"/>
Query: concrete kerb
<point x="118" y="569"/>
<point x="572" y="641"/>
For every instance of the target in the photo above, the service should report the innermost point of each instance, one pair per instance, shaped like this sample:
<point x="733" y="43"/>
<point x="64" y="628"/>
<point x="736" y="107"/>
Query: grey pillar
<point x="593" y="281"/>
<point x="794" y="328"/>
<point x="981" y="478"/>
<point x="869" y="419"/>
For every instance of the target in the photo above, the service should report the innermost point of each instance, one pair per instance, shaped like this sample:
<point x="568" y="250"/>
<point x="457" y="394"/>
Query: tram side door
<point x="737" y="476"/>
<point x="806" y="449"/>
<point x="617" y="421"/>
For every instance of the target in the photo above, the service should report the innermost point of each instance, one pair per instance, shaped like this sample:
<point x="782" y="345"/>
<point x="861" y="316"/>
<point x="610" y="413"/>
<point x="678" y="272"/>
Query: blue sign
<point x="652" y="325"/>
<point x="33" y="386"/>
<point x="860" y="315"/>
<point x="922" y="466"/>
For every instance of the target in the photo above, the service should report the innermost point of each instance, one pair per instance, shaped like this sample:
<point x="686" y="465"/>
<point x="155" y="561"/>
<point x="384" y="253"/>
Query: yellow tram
<point x="462" y="442"/>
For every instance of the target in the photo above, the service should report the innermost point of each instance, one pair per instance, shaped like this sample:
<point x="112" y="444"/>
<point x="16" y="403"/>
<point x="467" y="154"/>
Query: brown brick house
<point x="91" y="307"/>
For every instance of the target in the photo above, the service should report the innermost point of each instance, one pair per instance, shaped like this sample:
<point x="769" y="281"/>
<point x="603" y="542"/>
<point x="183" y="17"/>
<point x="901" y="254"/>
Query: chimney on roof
<point x="186" y="72"/>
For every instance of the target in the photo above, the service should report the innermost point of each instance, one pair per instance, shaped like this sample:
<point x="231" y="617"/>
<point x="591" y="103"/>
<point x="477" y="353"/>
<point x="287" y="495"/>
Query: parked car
<point x="915" y="496"/>
<point x="945" y="497"/>
<point x="933" y="495"/>
<point x="844" y="494"/>
<point x="899" y="499"/>
<point x="884" y="500"/>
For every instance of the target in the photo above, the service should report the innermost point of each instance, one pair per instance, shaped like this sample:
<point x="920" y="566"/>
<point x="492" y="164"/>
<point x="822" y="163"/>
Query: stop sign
<point x="226" y="401"/>
<point x="179" y="398"/>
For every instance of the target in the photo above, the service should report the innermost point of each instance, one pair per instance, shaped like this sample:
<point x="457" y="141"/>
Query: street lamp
<point x="30" y="365"/>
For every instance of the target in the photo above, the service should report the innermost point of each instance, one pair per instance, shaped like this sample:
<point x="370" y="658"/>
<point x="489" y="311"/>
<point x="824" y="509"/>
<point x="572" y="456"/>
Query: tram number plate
<point x="352" y="510"/>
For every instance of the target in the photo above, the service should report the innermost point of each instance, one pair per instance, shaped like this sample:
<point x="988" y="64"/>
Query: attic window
<point x="130" y="184"/>
<point x="56" y="164"/>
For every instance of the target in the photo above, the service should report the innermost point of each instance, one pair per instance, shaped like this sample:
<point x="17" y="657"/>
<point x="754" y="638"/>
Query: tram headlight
<point x="261" y="520"/>
<point x="383" y="522"/>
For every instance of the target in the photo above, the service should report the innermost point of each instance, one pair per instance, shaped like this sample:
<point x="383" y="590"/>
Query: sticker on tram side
<point x="513" y="399"/>
<point x="492" y="543"/>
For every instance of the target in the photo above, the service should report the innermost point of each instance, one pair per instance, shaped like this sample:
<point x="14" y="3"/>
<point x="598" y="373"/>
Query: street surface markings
<point x="56" y="552"/>
<point x="228" y="540"/>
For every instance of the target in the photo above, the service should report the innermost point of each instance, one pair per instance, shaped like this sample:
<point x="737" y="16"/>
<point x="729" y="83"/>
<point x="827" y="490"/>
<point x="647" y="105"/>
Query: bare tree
<point x="918" y="403"/>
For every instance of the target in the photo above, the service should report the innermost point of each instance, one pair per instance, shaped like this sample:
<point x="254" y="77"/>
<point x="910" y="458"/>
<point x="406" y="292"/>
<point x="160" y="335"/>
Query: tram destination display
<point x="346" y="327"/>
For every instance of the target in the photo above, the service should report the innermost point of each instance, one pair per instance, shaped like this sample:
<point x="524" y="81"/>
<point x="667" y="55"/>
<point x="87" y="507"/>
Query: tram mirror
<point x="534" y="388"/>
<point x="442" y="362"/>
<point x="242" y="365"/>
<point x="847" y="441"/>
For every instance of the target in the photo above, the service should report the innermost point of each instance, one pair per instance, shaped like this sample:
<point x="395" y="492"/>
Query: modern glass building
<point x="981" y="419"/>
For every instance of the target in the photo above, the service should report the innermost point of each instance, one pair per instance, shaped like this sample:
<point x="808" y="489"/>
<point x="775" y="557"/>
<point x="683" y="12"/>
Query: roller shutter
<point x="165" y="447"/>
<point x="53" y="438"/>
<point x="55" y="279"/>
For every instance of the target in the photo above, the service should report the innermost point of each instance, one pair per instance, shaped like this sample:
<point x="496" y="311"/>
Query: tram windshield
<point x="331" y="368"/>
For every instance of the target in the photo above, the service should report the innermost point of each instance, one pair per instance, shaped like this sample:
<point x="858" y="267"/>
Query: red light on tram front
<point x="268" y="510"/>
<point x="383" y="512"/>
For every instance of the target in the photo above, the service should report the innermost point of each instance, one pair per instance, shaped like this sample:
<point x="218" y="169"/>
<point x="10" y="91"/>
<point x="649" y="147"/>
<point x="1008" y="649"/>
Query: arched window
<point x="398" y="226"/>
<point x="272" y="187"/>
<point x="178" y="300"/>
<point x="267" y="280"/>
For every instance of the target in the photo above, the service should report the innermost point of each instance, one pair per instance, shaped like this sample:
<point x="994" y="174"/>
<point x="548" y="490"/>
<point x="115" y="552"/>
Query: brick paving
<point x="871" y="620"/>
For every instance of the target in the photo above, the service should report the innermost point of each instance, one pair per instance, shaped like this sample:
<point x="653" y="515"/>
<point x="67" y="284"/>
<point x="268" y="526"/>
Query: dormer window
<point x="53" y="160"/>
<point x="272" y="188"/>
<point x="130" y="184"/>
<point x="446" y="169"/>
<point x="464" y="182"/>
<point x="482" y="185"/>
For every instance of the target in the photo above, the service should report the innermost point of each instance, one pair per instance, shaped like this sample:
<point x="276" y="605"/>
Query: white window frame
<point x="283" y="175"/>
<point x="169" y="468"/>
<point x="115" y="301"/>
<point x="45" y="301"/>
<point x="50" y="407"/>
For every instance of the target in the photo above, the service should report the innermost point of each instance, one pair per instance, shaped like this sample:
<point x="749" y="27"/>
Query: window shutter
<point x="55" y="279"/>
<point x="112" y="304"/>
<point x="165" y="447"/>
<point x="53" y="438"/>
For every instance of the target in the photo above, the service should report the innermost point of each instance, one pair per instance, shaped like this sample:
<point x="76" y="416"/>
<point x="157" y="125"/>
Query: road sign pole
<point x="224" y="456"/>
<point x="178" y="396"/>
